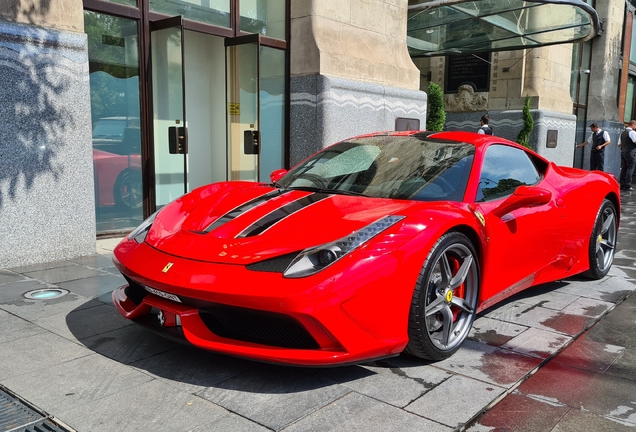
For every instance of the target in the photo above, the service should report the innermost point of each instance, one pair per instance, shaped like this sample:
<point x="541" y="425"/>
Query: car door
<point x="525" y="241"/>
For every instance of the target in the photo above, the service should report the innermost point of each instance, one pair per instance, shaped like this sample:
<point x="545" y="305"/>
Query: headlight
<point x="139" y="234"/>
<point x="311" y="261"/>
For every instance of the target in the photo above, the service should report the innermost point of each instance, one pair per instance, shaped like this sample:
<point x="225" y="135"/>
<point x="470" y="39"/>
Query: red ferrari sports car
<point x="377" y="245"/>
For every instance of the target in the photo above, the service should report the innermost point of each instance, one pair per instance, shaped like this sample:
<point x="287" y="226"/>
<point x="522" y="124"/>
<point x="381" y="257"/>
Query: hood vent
<point x="277" y="215"/>
<point x="242" y="209"/>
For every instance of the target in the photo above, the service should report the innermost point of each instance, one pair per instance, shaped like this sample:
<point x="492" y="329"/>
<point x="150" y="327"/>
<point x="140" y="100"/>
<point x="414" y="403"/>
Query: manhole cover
<point x="45" y="294"/>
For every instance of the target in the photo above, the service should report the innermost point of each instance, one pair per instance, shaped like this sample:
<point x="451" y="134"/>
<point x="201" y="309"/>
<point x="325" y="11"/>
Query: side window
<point x="505" y="168"/>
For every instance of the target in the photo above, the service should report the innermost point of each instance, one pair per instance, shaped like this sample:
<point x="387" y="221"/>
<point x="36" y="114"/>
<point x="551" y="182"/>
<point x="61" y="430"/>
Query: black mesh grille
<point x="274" y="265"/>
<point x="259" y="327"/>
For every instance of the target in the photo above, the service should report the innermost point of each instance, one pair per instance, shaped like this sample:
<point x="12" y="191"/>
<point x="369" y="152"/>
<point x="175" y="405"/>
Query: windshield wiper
<point x="329" y="191"/>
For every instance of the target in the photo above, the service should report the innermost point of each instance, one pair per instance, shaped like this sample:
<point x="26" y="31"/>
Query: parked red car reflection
<point x="117" y="179"/>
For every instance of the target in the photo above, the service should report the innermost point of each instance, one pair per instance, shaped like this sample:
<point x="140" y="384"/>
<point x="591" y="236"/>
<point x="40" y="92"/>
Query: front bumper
<point x="346" y="316"/>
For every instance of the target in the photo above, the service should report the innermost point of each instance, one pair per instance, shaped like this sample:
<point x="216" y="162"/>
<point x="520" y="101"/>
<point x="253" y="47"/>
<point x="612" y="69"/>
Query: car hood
<point x="244" y="222"/>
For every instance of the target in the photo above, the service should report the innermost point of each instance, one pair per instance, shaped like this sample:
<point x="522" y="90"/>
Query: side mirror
<point x="250" y="142"/>
<point x="523" y="196"/>
<point x="277" y="175"/>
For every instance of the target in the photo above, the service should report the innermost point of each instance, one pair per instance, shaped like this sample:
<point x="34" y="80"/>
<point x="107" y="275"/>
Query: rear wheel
<point x="445" y="299"/>
<point x="602" y="241"/>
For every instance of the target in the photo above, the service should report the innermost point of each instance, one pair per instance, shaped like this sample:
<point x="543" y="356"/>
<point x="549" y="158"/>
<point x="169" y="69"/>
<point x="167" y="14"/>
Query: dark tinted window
<point x="404" y="167"/>
<point x="505" y="168"/>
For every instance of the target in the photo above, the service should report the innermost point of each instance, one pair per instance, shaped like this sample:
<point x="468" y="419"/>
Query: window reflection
<point x="264" y="17"/>
<point x="215" y="12"/>
<point x="114" y="87"/>
<point x="504" y="170"/>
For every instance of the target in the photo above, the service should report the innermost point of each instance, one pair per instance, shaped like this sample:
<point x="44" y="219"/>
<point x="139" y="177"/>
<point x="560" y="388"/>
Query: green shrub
<point x="436" y="112"/>
<point x="528" y="124"/>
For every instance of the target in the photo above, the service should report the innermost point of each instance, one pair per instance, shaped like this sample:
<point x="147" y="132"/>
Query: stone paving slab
<point x="394" y="385"/>
<point x="32" y="310"/>
<point x="33" y="353"/>
<point x="76" y="382"/>
<point x="440" y="404"/>
<point x="128" y="344"/>
<point x="15" y="328"/>
<point x="274" y="396"/>
<point x="95" y="320"/>
<point x="579" y="389"/>
<point x="191" y="369"/>
<point x="358" y="413"/>
<point x="154" y="405"/>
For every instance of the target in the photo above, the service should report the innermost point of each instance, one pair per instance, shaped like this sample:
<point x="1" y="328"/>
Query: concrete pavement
<point x="558" y="357"/>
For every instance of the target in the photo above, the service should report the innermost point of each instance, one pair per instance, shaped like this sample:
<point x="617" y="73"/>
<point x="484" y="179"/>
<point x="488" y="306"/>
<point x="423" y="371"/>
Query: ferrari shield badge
<point x="167" y="267"/>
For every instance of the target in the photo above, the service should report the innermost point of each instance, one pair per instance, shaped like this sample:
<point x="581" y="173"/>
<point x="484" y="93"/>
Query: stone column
<point x="350" y="71"/>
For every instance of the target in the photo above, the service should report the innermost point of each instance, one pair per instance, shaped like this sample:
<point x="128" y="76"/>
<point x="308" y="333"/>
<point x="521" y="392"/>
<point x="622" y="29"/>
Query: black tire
<point x="602" y="241"/>
<point x="128" y="192"/>
<point x="445" y="298"/>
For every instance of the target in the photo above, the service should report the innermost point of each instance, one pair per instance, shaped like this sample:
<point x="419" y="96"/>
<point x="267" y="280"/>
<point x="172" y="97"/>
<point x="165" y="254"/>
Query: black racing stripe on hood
<point x="277" y="215"/>
<point x="232" y="214"/>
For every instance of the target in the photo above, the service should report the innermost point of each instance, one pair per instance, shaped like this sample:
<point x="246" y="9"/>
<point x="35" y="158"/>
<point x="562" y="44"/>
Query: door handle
<point x="177" y="140"/>
<point x="250" y="141"/>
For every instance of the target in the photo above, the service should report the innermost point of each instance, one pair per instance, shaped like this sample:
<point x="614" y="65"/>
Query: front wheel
<point x="602" y="241"/>
<point x="127" y="190"/>
<point x="444" y="301"/>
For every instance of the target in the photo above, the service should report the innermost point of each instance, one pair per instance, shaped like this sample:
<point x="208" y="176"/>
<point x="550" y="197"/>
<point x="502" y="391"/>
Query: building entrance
<point x="207" y="108"/>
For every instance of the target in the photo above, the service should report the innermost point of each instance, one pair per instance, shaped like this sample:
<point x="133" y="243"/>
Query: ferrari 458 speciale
<point x="377" y="245"/>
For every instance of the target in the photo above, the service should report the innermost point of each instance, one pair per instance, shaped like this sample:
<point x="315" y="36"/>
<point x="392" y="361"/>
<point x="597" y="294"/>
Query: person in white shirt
<point x="599" y="139"/>
<point x="627" y="143"/>
<point x="485" y="128"/>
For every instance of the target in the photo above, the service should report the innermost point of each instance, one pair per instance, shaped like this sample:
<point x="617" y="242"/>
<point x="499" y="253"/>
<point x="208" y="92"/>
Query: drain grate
<point x="16" y="416"/>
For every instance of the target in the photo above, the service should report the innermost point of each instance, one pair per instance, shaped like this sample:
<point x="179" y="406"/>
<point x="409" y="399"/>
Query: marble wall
<point x="325" y="110"/>
<point x="47" y="207"/>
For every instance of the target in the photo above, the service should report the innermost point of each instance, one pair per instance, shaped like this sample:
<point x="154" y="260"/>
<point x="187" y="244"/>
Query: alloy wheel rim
<point x="451" y="297"/>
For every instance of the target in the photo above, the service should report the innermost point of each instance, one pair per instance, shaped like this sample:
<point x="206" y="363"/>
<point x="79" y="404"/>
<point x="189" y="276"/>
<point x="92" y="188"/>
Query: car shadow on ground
<point x="98" y="326"/>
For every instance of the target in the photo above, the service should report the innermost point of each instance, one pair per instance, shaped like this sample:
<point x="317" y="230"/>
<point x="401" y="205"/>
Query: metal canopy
<point x="448" y="27"/>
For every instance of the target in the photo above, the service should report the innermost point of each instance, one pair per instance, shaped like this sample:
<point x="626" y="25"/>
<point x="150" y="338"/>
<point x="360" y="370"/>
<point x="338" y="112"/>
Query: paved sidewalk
<point x="557" y="357"/>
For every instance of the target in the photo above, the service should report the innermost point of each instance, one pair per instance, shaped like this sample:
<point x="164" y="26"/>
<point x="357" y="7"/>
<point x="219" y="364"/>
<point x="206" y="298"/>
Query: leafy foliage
<point x="528" y="124"/>
<point x="436" y="112"/>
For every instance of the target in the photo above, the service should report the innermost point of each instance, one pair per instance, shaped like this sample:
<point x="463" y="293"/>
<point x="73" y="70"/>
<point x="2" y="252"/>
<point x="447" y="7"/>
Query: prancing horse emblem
<point x="167" y="267"/>
<point x="161" y="318"/>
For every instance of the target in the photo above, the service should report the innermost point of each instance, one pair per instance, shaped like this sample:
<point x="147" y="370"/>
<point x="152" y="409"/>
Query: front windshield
<point x="404" y="167"/>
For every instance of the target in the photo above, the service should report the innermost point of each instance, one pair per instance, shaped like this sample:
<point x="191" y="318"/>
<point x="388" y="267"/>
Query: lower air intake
<point x="259" y="327"/>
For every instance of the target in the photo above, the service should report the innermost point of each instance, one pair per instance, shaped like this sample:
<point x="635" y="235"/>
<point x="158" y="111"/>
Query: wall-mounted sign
<point x="553" y="137"/>
<point x="234" y="108"/>
<point x="473" y="69"/>
<point x="406" y="124"/>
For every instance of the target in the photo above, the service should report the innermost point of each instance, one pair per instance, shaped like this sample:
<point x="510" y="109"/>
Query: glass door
<point x="168" y="109"/>
<point x="256" y="104"/>
<point x="243" y="107"/>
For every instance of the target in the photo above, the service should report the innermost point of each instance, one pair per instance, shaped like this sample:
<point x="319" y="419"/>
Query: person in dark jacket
<point x="485" y="128"/>
<point x="599" y="139"/>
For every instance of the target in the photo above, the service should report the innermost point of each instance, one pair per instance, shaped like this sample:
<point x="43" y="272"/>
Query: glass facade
<point x="273" y="104"/>
<point x="115" y="111"/>
<point x="200" y="62"/>
<point x="264" y="17"/>
<point x="215" y="12"/>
